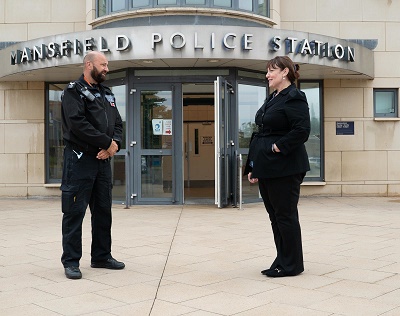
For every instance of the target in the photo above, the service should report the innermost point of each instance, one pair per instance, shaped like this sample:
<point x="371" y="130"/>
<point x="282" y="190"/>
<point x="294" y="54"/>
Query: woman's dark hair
<point x="283" y="62"/>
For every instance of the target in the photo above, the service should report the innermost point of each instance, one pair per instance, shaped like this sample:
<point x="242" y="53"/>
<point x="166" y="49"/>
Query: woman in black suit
<point x="278" y="161"/>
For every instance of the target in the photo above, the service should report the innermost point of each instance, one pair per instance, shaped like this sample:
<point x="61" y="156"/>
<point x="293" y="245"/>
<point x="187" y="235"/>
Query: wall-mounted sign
<point x="162" y="127"/>
<point x="344" y="128"/>
<point x="207" y="140"/>
<point x="187" y="43"/>
<point x="179" y="41"/>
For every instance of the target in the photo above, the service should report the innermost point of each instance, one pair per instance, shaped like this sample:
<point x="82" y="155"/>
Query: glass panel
<point x="196" y="2"/>
<point x="171" y="73"/>
<point x="140" y="3"/>
<point x="385" y="102"/>
<point x="246" y="5"/>
<point x="248" y="74"/>
<point x="223" y="3"/>
<point x="54" y="132"/>
<point x="156" y="119"/>
<point x="250" y="98"/>
<point x="116" y="75"/>
<point x="117" y="5"/>
<point x="156" y="176"/>
<point x="313" y="145"/>
<point x="120" y="97"/>
<point x="250" y="191"/>
<point x="263" y="7"/>
<point x="119" y="184"/>
<point x="102" y="8"/>
<point x="160" y="2"/>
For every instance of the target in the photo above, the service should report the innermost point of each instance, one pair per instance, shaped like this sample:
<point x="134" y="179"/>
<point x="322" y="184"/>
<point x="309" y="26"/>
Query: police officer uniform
<point x="90" y="121"/>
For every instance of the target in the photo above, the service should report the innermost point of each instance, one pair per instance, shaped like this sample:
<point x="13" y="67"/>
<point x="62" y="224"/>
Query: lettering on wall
<point x="179" y="41"/>
<point x="314" y="48"/>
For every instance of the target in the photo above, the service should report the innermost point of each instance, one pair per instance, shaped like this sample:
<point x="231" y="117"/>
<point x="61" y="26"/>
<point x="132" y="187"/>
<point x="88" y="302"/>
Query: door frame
<point x="153" y="82"/>
<point x="135" y="146"/>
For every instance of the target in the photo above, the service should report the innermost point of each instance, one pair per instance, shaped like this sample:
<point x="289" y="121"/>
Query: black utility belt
<point x="80" y="149"/>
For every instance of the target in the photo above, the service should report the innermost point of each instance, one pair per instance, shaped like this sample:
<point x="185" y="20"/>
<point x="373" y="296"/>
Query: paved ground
<point x="198" y="260"/>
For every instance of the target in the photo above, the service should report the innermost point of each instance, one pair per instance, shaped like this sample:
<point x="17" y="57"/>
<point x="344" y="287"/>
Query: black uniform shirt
<point x="90" y="125"/>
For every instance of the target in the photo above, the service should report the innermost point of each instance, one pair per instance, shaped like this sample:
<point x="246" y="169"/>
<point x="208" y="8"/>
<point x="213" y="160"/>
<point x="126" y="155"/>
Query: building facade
<point x="189" y="76"/>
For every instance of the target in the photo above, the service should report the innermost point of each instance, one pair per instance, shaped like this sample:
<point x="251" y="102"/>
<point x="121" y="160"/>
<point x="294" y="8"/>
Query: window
<point x="101" y="7"/>
<point x="54" y="144"/>
<point x="223" y="3"/>
<point x="314" y="144"/>
<point x="140" y="3"/>
<point x="192" y="2"/>
<point x="118" y="5"/>
<point x="105" y="7"/>
<point x="263" y="7"/>
<point x="160" y="2"/>
<point x="246" y="5"/>
<point x="386" y="102"/>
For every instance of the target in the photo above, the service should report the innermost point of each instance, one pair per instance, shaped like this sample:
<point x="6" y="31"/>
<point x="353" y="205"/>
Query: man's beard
<point x="97" y="76"/>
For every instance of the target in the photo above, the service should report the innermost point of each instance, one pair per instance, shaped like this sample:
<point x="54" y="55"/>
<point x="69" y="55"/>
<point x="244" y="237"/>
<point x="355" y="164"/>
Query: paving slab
<point x="198" y="260"/>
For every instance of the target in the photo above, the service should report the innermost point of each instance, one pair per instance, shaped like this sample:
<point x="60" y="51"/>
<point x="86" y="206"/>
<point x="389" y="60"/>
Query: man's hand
<point x="103" y="154"/>
<point x="113" y="148"/>
<point x="252" y="180"/>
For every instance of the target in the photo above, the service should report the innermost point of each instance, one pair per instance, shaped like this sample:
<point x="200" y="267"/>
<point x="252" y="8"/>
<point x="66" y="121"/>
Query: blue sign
<point x="344" y="128"/>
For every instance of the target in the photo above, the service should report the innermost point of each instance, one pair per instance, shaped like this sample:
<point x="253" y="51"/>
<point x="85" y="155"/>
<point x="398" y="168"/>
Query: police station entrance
<point x="183" y="139"/>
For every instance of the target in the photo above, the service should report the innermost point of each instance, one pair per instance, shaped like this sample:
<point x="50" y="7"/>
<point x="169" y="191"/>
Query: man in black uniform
<point x="92" y="132"/>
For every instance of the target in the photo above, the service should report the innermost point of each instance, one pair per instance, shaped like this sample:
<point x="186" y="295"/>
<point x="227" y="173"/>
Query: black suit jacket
<point x="285" y="121"/>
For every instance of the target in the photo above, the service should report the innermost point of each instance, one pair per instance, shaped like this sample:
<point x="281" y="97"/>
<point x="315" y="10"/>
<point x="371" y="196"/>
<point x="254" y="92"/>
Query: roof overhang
<point x="59" y="57"/>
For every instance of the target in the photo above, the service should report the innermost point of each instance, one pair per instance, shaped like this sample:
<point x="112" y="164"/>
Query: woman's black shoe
<point x="266" y="271"/>
<point x="275" y="273"/>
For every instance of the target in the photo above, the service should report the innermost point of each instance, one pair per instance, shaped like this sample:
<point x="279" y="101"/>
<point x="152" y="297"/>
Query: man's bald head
<point x="95" y="67"/>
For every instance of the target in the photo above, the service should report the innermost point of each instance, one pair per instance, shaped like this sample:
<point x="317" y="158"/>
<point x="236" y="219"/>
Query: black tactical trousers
<point x="86" y="181"/>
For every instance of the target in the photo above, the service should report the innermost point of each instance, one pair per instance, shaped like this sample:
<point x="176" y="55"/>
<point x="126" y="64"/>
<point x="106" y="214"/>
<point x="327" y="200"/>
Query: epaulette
<point x="72" y="85"/>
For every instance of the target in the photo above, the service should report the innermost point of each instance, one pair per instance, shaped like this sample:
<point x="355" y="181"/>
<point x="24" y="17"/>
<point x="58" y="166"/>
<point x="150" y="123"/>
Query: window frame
<point x="49" y="180"/>
<point x="395" y="114"/>
<point x="321" y="177"/>
<point x="182" y="3"/>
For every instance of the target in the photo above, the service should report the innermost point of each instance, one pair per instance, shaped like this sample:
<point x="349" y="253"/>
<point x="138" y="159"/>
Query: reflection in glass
<point x="246" y="5"/>
<point x="250" y="99"/>
<point x="195" y="1"/>
<point x="102" y="8"/>
<point x="223" y="3"/>
<point x="120" y="97"/>
<point x="156" y="119"/>
<point x="159" y="2"/>
<point x="156" y="176"/>
<point x="263" y="7"/>
<point x="250" y="191"/>
<point x="117" y="5"/>
<point x="384" y="102"/>
<point x="54" y="132"/>
<point x="118" y="180"/>
<point x="140" y="3"/>
<point x="313" y="145"/>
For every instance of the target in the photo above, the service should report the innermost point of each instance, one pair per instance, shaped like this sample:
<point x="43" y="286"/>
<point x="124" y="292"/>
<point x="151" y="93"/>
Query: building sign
<point x="207" y="140"/>
<point x="179" y="41"/>
<point x="189" y="45"/>
<point x="344" y="128"/>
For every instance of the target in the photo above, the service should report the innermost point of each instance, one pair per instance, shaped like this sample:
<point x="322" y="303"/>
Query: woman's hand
<point x="252" y="180"/>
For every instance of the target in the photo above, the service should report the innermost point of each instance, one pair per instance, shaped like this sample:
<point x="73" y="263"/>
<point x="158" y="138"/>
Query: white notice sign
<point x="157" y="126"/>
<point x="167" y="127"/>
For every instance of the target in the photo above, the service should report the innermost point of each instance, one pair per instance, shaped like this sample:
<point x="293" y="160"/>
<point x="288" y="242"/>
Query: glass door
<point x="225" y="159"/>
<point x="155" y="135"/>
